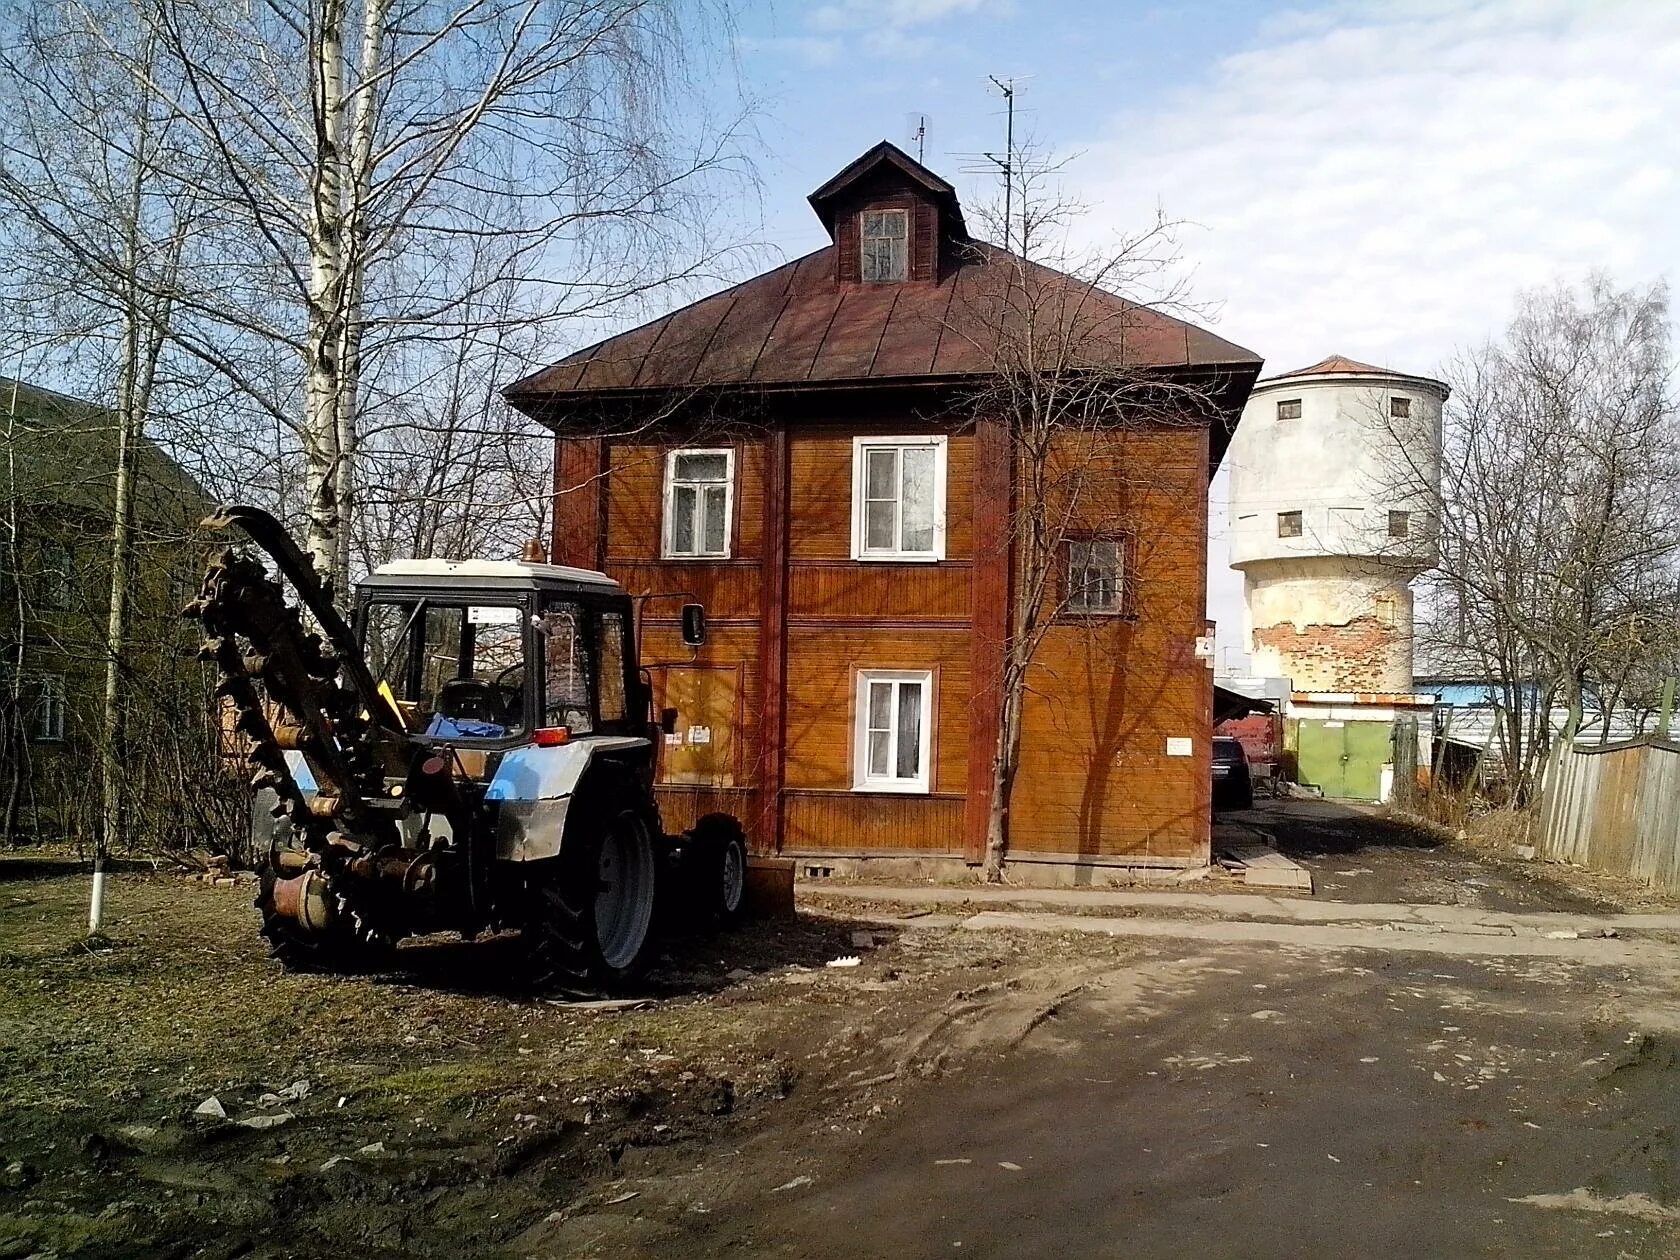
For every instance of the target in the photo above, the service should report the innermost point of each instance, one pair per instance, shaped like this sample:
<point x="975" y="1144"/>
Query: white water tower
<point x="1333" y="473"/>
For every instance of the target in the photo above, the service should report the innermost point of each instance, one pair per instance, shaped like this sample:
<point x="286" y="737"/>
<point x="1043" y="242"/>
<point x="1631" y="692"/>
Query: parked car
<point x="1233" y="788"/>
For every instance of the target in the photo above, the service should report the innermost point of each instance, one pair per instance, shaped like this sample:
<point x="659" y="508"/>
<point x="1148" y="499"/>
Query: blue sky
<point x="1369" y="177"/>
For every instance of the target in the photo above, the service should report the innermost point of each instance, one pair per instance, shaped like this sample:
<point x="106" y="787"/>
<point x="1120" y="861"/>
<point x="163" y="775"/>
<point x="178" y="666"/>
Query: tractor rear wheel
<point x="590" y="917"/>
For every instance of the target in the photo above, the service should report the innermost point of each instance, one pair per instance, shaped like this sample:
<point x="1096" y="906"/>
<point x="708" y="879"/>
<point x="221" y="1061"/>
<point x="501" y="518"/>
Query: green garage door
<point x="1344" y="759"/>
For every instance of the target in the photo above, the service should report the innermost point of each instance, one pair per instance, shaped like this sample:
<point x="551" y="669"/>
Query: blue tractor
<point x="472" y="751"/>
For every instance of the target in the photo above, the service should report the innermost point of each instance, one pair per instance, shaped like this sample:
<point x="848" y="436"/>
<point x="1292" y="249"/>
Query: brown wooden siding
<point x="821" y="479"/>
<point x="635" y="508"/>
<point x="681" y="807"/>
<point x="846" y="590"/>
<point x="1107" y="693"/>
<point x="842" y="822"/>
<point x="822" y="690"/>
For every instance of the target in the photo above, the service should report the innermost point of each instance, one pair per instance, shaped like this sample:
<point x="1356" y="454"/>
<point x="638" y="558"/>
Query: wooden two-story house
<point x="803" y="454"/>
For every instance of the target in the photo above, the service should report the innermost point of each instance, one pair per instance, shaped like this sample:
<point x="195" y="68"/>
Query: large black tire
<point x="720" y="866"/>
<point x="337" y="951"/>
<point x="590" y="912"/>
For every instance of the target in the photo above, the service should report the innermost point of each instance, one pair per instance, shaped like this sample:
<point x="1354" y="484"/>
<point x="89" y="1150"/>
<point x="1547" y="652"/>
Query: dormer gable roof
<point x="887" y="158"/>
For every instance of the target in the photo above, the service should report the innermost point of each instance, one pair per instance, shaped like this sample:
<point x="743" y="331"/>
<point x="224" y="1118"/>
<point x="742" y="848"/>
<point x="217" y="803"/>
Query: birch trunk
<point x="324" y="339"/>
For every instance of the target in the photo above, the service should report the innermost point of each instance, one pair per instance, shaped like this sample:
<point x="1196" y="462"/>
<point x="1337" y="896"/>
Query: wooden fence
<point x="1616" y="808"/>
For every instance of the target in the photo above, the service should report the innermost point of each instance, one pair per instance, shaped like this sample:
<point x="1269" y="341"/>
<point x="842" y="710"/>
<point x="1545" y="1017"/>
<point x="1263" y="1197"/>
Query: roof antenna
<point x="919" y="135"/>
<point x="1006" y="163"/>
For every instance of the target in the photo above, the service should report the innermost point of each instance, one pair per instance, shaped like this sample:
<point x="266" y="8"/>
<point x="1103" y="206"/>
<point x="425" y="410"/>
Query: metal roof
<point x="800" y="327"/>
<point x="470" y="572"/>
<point x="1341" y="365"/>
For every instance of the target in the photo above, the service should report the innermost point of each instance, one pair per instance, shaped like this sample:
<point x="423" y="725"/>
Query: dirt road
<point x="1001" y="1085"/>
<point x="1224" y="1103"/>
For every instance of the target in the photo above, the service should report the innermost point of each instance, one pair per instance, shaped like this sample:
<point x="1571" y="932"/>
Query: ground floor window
<point x="894" y="730"/>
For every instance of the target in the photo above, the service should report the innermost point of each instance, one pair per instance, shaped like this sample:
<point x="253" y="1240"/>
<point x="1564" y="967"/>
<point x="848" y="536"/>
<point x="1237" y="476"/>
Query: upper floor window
<point x="49" y="707"/>
<point x="1400" y="408"/>
<point x="1289" y="524"/>
<point x="885" y="247"/>
<point x="1399" y="524"/>
<point x="1289" y="409"/>
<point x="1095" y="576"/>
<point x="894" y="730"/>
<point x="898" y="498"/>
<point x="58" y="572"/>
<point x="699" y="501"/>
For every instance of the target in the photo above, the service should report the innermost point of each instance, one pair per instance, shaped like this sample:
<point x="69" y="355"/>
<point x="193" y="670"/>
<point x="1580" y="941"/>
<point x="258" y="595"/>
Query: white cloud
<point x="849" y="15"/>
<point x="1378" y="179"/>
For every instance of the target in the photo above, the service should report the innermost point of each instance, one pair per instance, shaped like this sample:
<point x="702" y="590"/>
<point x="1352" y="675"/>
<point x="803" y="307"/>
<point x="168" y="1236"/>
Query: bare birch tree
<point x="356" y="150"/>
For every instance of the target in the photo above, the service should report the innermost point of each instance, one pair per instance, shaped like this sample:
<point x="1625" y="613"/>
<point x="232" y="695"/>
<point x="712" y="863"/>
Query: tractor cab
<point x="493" y="654"/>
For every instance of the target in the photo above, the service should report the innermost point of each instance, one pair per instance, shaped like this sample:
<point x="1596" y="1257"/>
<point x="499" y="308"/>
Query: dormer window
<point x="885" y="246"/>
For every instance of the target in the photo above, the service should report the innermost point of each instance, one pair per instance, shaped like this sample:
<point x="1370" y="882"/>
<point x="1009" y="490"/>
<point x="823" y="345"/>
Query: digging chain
<point x="262" y="649"/>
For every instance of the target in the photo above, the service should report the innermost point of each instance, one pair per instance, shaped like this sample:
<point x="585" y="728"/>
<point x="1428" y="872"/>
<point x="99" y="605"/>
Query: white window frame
<point x="667" y="546"/>
<point x="49" y="709"/>
<point x="862" y="780"/>
<point x="860" y="448"/>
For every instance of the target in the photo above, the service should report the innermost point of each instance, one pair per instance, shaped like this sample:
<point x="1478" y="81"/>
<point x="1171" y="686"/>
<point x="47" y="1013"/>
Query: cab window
<point x="456" y="670"/>
<point x="614" y="705"/>
<point x="566" y="672"/>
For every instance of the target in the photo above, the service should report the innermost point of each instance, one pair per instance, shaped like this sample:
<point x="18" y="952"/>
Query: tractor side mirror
<point x="668" y="721"/>
<point x="694" y="624"/>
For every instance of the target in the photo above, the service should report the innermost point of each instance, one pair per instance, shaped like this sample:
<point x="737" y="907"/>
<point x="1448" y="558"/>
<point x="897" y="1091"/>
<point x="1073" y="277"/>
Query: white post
<point x="96" y="907"/>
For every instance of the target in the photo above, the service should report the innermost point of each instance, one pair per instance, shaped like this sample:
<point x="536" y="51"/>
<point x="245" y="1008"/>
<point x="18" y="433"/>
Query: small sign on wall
<point x="699" y="735"/>
<point x="1180" y="746"/>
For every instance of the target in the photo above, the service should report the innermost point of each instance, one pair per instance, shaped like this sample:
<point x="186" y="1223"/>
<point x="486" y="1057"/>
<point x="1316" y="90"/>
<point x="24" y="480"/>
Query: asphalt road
<point x="1225" y="1101"/>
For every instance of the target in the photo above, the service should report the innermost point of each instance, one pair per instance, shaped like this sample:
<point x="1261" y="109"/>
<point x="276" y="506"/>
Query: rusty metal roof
<point x="797" y="325"/>
<point x="801" y="327"/>
<point x="1341" y="365"/>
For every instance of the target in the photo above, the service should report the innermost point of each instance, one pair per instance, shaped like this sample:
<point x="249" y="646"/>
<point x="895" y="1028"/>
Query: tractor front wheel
<point x="721" y="849"/>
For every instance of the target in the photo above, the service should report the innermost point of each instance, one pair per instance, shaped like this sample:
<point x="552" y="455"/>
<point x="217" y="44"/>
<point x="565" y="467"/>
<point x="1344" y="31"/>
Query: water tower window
<point x="886" y="246"/>
<point x="1400" y="408"/>
<point x="1399" y="524"/>
<point x="1386" y="605"/>
<point x="1289" y="409"/>
<point x="1289" y="524"/>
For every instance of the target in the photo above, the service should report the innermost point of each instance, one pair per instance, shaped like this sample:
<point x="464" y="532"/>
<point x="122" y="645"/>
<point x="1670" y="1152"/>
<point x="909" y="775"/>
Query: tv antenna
<point x="917" y="127"/>
<point x="1006" y="163"/>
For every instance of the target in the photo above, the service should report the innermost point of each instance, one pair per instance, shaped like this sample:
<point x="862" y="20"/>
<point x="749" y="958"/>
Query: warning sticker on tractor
<point x="491" y="615"/>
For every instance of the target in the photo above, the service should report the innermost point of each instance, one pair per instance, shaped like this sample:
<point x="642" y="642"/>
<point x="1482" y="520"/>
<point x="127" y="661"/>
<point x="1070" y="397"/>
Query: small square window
<point x="1289" y="409"/>
<point x="1386" y="606"/>
<point x="1399" y="524"/>
<point x="1289" y="524"/>
<point x="898" y="498"/>
<point x="1095" y="575"/>
<point x="885" y="246"/>
<point x="894" y="730"/>
<point x="1400" y="408"/>
<point x="699" y="502"/>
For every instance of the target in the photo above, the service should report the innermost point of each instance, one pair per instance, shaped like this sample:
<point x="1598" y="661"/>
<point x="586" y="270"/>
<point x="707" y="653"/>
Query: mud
<point x="437" y="1110"/>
